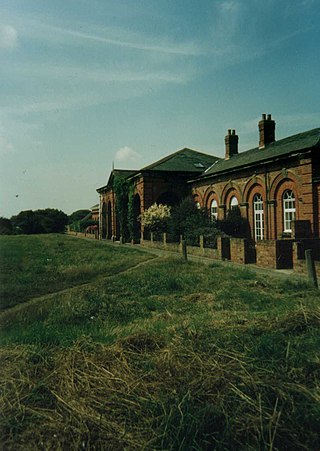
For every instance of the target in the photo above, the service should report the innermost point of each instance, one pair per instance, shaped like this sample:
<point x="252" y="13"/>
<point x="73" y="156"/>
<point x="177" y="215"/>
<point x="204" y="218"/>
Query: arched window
<point x="214" y="210"/>
<point x="233" y="202"/>
<point x="258" y="217"/>
<point x="289" y="210"/>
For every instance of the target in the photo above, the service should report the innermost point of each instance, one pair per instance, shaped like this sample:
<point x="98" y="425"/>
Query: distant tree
<point x="78" y="215"/>
<point x="26" y="222"/>
<point x="49" y="220"/>
<point x="52" y="220"/>
<point x="6" y="227"/>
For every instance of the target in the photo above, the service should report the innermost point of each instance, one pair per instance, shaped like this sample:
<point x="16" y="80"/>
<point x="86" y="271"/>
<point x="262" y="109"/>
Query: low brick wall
<point x="300" y="267"/>
<point x="242" y="250"/>
<point x="177" y="247"/>
<point x="276" y="254"/>
<point x="299" y="248"/>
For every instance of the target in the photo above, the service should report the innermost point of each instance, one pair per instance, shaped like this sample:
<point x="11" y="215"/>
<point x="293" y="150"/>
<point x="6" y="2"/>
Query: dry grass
<point x="145" y="392"/>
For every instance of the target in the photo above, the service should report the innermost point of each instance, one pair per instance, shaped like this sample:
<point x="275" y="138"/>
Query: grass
<point x="168" y="356"/>
<point x="36" y="265"/>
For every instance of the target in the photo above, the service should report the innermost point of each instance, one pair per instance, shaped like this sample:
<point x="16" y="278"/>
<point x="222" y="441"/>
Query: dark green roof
<point x="116" y="172"/>
<point x="184" y="160"/>
<point x="277" y="149"/>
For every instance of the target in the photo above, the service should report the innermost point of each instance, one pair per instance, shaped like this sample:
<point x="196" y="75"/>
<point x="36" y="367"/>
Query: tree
<point x="234" y="224"/>
<point x="78" y="215"/>
<point x="6" y="227"/>
<point x="49" y="220"/>
<point x="190" y="221"/>
<point x="52" y="220"/>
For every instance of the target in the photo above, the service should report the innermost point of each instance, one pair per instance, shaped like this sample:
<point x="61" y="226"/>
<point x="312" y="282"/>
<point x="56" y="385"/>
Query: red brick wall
<point x="275" y="254"/>
<point x="269" y="181"/>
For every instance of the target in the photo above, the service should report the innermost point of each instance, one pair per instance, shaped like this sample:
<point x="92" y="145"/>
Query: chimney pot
<point x="264" y="116"/>
<point x="233" y="132"/>
<point x="269" y="117"/>
<point x="229" y="131"/>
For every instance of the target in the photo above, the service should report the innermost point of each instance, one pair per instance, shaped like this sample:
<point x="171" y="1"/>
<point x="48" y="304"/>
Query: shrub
<point x="156" y="218"/>
<point x="234" y="224"/>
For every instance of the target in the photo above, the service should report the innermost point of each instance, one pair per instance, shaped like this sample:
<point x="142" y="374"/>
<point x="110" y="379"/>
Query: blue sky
<point x="84" y="83"/>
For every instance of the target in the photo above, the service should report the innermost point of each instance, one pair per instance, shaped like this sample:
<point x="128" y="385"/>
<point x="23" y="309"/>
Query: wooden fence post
<point x="311" y="268"/>
<point x="184" y="250"/>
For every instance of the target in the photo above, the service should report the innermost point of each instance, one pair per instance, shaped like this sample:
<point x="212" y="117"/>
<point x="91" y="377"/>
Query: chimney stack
<point x="267" y="131"/>
<point x="231" y="140"/>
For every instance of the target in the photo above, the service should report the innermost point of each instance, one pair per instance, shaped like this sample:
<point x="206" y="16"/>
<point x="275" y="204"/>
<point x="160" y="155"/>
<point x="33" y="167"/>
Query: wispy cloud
<point x="8" y="37"/>
<point x="143" y="43"/>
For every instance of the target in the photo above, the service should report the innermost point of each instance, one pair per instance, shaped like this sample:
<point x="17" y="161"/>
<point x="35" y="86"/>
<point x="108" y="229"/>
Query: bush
<point x="191" y="222"/>
<point x="234" y="225"/>
<point x="155" y="218"/>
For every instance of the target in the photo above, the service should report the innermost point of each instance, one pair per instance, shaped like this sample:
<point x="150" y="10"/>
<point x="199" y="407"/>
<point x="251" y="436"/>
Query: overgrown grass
<point x="168" y="356"/>
<point x="35" y="265"/>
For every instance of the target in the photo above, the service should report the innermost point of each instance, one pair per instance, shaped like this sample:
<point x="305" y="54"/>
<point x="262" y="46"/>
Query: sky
<point x="85" y="84"/>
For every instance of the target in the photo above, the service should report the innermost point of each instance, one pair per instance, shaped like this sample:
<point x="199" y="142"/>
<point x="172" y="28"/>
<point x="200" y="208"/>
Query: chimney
<point x="266" y="130"/>
<point x="231" y="140"/>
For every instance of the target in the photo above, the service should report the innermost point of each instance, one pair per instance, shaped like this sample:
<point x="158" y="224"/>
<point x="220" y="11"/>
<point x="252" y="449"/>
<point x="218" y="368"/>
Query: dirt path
<point x="98" y="279"/>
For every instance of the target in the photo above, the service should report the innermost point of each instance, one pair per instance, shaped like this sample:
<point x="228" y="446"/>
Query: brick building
<point x="276" y="185"/>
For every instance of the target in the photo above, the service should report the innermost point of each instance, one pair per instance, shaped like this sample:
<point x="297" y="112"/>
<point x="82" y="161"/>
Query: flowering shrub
<point x="156" y="217"/>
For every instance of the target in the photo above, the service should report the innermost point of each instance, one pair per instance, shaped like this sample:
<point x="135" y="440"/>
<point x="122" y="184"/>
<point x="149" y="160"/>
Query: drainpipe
<point x="267" y="204"/>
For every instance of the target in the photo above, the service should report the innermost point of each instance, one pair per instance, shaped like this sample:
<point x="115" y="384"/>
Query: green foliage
<point x="191" y="222"/>
<point x="31" y="222"/>
<point x="234" y="225"/>
<point x="156" y="218"/>
<point x="121" y="189"/>
<point x="78" y="215"/>
<point x="6" y="227"/>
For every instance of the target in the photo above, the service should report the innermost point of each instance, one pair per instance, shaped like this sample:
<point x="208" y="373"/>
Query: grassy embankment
<point x="171" y="356"/>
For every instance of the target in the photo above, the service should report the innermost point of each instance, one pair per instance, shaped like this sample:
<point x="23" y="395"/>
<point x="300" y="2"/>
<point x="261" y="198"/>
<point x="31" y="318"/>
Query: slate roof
<point x="278" y="149"/>
<point x="121" y="173"/>
<point x="184" y="160"/>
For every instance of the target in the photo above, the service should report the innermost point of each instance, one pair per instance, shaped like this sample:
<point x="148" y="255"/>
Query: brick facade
<point x="273" y="184"/>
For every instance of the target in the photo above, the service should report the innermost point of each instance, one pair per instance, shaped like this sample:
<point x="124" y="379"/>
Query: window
<point x="233" y="202"/>
<point x="214" y="210"/>
<point x="258" y="217"/>
<point x="289" y="210"/>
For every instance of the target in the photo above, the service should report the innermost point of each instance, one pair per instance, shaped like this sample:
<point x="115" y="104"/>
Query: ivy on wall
<point x="125" y="208"/>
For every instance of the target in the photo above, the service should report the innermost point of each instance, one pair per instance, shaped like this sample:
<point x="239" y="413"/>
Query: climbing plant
<point x="131" y="220"/>
<point x="121" y="188"/>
